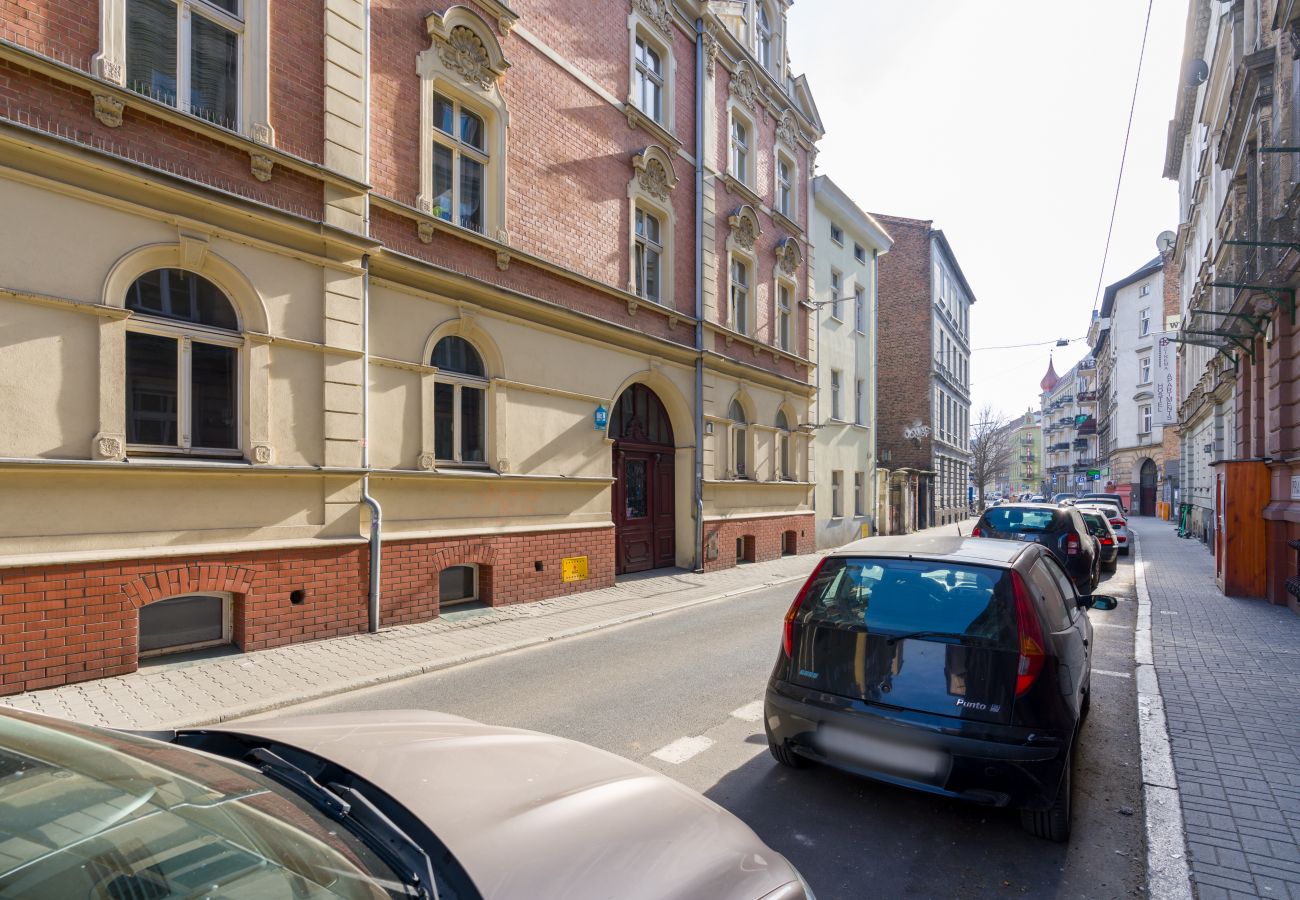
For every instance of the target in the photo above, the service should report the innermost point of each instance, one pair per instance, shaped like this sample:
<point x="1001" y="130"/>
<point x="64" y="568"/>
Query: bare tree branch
<point x="990" y="447"/>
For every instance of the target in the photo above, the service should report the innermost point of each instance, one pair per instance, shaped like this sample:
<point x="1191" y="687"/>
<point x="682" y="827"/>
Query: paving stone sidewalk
<point x="1229" y="675"/>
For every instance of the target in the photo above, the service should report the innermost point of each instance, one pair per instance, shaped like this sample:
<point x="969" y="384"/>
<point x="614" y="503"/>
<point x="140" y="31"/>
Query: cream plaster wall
<point x="49" y="392"/>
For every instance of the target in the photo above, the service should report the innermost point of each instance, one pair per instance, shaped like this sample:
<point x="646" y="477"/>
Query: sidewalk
<point x="1229" y="674"/>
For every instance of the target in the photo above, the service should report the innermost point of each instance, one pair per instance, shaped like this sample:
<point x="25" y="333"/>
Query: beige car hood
<point x="532" y="816"/>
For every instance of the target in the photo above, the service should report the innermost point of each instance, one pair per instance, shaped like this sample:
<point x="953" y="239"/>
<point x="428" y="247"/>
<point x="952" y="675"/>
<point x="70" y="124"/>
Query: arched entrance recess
<point x="644" y="522"/>
<point x="1147" y="483"/>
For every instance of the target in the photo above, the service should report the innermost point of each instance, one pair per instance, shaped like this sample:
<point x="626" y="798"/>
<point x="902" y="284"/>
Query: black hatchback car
<point x="950" y="665"/>
<point x="1058" y="528"/>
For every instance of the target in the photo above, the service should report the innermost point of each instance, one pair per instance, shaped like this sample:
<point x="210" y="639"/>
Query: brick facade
<point x="757" y="540"/>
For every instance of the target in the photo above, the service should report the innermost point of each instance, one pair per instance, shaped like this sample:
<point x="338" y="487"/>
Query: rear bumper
<point x="988" y="764"/>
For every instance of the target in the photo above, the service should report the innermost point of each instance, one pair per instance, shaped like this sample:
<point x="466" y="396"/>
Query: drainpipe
<point x="875" y="390"/>
<point x="376" y="514"/>
<point x="698" y="481"/>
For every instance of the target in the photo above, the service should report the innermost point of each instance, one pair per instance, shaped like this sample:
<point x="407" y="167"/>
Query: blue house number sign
<point x="600" y="418"/>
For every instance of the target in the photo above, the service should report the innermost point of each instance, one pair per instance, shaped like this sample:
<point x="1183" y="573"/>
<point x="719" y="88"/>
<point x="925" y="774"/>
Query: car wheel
<point x="785" y="756"/>
<point x="1086" y="703"/>
<point x="1053" y="823"/>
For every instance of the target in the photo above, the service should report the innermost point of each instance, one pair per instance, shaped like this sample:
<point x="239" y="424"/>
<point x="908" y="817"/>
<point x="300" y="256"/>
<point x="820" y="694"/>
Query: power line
<point x="1105" y="254"/>
<point x="1056" y="341"/>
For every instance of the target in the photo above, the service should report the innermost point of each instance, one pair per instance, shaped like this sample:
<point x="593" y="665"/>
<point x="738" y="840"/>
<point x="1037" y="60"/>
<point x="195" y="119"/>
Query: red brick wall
<point x="768" y="535"/>
<point x="298" y="78"/>
<point x="905" y="334"/>
<point x="65" y="29"/>
<point x="63" y="624"/>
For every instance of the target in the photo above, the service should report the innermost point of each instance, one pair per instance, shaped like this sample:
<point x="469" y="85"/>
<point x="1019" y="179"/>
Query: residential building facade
<point x="1232" y="148"/>
<point x="924" y="376"/>
<point x="352" y="360"/>
<point x="1069" y="428"/>
<point x="847" y="243"/>
<point x="1025" y="470"/>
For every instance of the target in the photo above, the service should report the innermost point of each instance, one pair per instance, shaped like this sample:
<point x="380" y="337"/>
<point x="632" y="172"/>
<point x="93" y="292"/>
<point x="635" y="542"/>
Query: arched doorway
<point x="644" y="521"/>
<point x="1147" y="484"/>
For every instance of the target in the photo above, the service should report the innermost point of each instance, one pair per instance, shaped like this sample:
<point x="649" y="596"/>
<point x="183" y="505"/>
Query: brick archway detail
<point x="201" y="578"/>
<point x="477" y="554"/>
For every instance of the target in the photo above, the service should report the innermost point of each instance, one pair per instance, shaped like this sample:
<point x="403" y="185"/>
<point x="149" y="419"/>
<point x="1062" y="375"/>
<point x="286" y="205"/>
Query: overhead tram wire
<point x="1137" y="80"/>
<point x="1059" y="342"/>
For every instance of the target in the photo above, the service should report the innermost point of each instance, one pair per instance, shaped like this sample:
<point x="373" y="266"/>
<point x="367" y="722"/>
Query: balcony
<point x="1087" y="396"/>
<point x="1060" y="446"/>
<point x="1085" y="462"/>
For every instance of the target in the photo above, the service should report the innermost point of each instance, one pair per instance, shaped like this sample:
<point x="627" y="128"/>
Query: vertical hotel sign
<point x="1165" y="382"/>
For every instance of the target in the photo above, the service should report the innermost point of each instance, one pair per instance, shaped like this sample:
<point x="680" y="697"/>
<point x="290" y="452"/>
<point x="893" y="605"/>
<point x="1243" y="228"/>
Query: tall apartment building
<point x="397" y="308"/>
<point x="924" y="376"/>
<point x="1025" y="468"/>
<point x="847" y="244"/>
<point x="1232" y="147"/>
<point x="1069" y="429"/>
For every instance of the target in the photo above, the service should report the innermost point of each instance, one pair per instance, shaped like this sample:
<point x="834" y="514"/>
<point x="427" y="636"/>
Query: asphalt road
<point x="688" y="686"/>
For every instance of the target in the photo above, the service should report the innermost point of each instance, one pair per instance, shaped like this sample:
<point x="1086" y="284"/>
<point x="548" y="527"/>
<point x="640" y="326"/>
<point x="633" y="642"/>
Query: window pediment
<point x="658" y="13"/>
<point x="743" y="86"/>
<point x="745" y="229"/>
<point x="654" y="171"/>
<point x="788" y="255"/>
<point x="465" y="45"/>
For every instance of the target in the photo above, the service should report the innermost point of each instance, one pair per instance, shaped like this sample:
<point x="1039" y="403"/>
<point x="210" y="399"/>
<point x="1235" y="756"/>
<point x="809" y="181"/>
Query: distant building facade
<point x="1025" y="469"/>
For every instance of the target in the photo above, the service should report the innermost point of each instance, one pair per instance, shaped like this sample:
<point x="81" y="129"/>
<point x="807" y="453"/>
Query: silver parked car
<point x="362" y="806"/>
<point x="1118" y="521"/>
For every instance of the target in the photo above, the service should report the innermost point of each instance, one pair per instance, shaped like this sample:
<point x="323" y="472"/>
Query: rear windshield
<point x="1020" y="520"/>
<point x="1096" y="522"/>
<point x="902" y="596"/>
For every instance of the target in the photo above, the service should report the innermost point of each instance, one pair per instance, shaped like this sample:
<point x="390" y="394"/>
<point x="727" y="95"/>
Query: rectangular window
<point x="181" y="393"/>
<point x="152" y="389"/>
<point x="836" y="312"/>
<point x="1146" y="419"/>
<point x="859" y="494"/>
<point x="837" y="234"/>
<point x="1144" y="323"/>
<point x="649" y="253"/>
<point x="186" y="54"/>
<point x="837" y="486"/>
<point x="860" y="310"/>
<point x="740" y="449"/>
<point x="784" y="187"/>
<point x="859" y="253"/>
<point x="459" y="163"/>
<point x="739" y="310"/>
<point x="473" y="424"/>
<point x="858" y="397"/>
<point x="739" y="150"/>
<point x="1144" y="290"/>
<point x="648" y="81"/>
<point x="1144" y="370"/>
<point x="783" y="317"/>
<point x="213" y="371"/>
<point x="835" y="393"/>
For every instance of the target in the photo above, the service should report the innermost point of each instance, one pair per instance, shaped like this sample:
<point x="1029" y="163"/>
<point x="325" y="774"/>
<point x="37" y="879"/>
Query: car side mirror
<point x="1098" y="601"/>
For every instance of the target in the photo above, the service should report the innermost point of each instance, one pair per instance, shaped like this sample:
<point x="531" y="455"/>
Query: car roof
<point x="986" y="551"/>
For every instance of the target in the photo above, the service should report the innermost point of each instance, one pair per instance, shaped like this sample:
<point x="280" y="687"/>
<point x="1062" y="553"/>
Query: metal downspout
<point x="698" y="481"/>
<point x="376" y="513"/>
<point x="875" y="390"/>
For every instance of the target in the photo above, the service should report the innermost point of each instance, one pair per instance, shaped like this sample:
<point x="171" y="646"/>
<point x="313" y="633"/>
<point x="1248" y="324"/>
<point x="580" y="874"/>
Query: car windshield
<point x="1101" y="508"/>
<point x="1096" y="523"/>
<point x="904" y="596"/>
<point x="89" y="813"/>
<point x="1020" y="520"/>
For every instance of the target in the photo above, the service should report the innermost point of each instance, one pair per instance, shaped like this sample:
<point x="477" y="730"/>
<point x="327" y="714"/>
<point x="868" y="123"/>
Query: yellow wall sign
<point x="865" y="530"/>
<point x="574" y="568"/>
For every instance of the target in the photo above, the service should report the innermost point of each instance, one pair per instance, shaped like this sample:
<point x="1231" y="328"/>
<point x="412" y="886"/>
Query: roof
<point x="1151" y="268"/>
<point x="1051" y="379"/>
<point x="952" y="258"/>
<point x="863" y="222"/>
<point x="978" y="550"/>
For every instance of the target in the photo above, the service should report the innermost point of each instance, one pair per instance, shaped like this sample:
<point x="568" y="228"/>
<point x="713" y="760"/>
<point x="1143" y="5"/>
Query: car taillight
<point x="1117" y="522"/>
<point x="787" y="633"/>
<point x="1031" y="638"/>
<point x="1072" y="545"/>
<point x="1106" y="542"/>
<point x="975" y="532"/>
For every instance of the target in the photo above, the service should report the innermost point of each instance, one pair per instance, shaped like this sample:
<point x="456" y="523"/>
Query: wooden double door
<point x="644" y="520"/>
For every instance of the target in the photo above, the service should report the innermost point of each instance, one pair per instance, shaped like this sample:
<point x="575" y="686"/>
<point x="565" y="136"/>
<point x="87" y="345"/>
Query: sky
<point x="1004" y="123"/>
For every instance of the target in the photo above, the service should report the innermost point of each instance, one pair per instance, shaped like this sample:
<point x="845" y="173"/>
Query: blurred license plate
<point x="904" y="759"/>
<point x="1027" y="537"/>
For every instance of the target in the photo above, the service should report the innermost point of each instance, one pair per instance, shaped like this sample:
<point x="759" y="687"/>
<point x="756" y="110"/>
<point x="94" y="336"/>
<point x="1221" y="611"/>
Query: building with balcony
<point x="1025" y="469"/>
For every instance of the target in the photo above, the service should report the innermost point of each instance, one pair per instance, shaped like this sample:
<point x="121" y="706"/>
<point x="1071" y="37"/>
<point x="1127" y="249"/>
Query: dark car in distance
<point x="956" y="666"/>
<point x="1058" y="528"/>
<point x="1099" y="527"/>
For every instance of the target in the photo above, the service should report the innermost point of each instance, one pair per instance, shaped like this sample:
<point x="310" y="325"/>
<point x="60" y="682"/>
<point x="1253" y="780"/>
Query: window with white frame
<point x="1144" y="370"/>
<point x="783" y="316"/>
<point x="460" y="161"/>
<point x="837" y="234"/>
<point x="837" y="489"/>
<point x="836" y="289"/>
<point x="784" y="185"/>
<point x="859" y="494"/>
<point x="859" y="253"/>
<point x="859" y="398"/>
<point x="649" y="255"/>
<point x="859" y="309"/>
<point x="1144" y="323"/>
<point x="741" y="148"/>
<point x="738" y="311"/>
<point x="763" y="36"/>
<point x="1146" y="418"/>
<point x="648" y="80"/>
<point x="186" y="53"/>
<point x="182" y="366"/>
<point x="739" y="439"/>
<point x="835" y="393"/>
<point x="459" y="403"/>
<point x="1144" y="290"/>
<point x="784" y="447"/>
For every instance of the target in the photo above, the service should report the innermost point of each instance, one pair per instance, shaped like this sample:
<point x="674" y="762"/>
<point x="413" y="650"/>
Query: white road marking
<point x="1111" y="674"/>
<point x="750" y="712"/>
<point x="683" y="749"/>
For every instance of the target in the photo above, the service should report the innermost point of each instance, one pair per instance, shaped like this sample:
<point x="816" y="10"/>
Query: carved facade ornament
<point x="657" y="12"/>
<point x="788" y="255"/>
<point x="744" y="227"/>
<point x="262" y="454"/>
<point x="503" y="259"/>
<point x="108" y="110"/>
<point x="109" y="446"/>
<point x="464" y="53"/>
<point x="262" y="165"/>
<point x="711" y="47"/>
<point x="744" y="86"/>
<point x="425" y="232"/>
<point x="262" y="133"/>
<point x="426" y="461"/>
<point x="110" y="70"/>
<point x="654" y="172"/>
<point x="787" y="132"/>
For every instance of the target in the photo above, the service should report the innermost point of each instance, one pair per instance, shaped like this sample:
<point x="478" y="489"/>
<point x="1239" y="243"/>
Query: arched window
<point x="763" y="39"/>
<point x="784" y="450"/>
<point x="185" y="623"/>
<point x="739" y="438"/>
<point x="459" y="402"/>
<point x="457" y="584"/>
<point x="640" y="418"/>
<point x="182" y="366"/>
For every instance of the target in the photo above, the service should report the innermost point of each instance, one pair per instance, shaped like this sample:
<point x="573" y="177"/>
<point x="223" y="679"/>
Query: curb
<point x="1168" y="876"/>
<point x="332" y="690"/>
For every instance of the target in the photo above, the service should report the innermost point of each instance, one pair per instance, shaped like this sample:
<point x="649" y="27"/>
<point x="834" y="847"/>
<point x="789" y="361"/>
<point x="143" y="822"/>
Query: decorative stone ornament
<point x="466" y="47"/>
<point x="787" y="132"/>
<point x="108" y="110"/>
<point x="262" y="166"/>
<point x="426" y="461"/>
<point x="464" y="52"/>
<point x="657" y="12"/>
<point x="788" y="255"/>
<point x="654" y="172"/>
<point x="424" y="231"/>
<point x="110" y="70"/>
<point x="503" y="259"/>
<point x="711" y="47"/>
<point x="744" y="227"/>
<point x="744" y="86"/>
<point x="109" y="446"/>
<point x="262" y="454"/>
